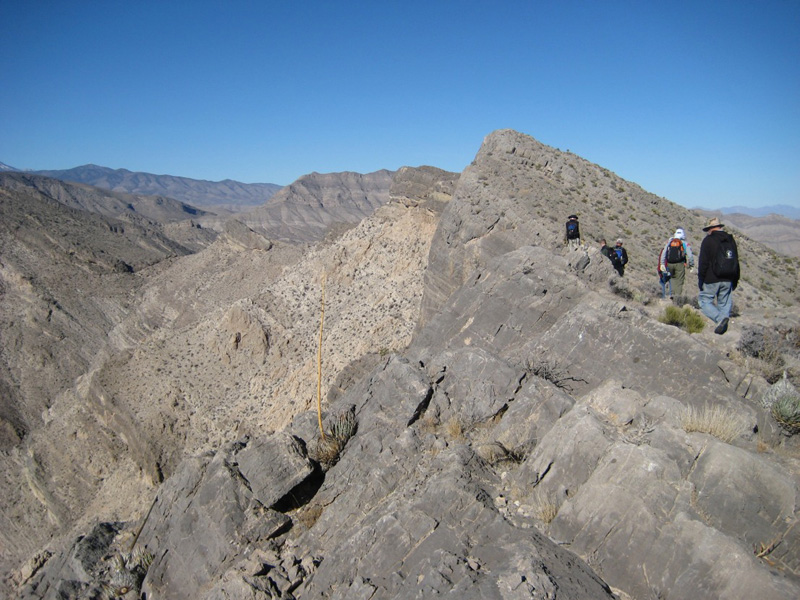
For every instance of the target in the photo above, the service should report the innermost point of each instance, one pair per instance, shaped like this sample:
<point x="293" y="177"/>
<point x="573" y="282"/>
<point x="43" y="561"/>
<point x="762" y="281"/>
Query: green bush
<point x="686" y="318"/>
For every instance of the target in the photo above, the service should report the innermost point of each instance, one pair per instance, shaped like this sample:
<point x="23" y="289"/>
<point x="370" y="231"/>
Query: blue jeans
<point x="719" y="292"/>
<point x="665" y="282"/>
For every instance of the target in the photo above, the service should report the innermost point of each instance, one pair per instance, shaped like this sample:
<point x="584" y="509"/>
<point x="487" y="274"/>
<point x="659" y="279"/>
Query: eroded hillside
<point x="517" y="411"/>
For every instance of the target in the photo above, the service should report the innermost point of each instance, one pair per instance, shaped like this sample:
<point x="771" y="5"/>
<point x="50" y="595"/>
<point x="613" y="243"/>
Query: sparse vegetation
<point x="454" y="429"/>
<point x="545" y="507"/>
<point x="685" y="318"/>
<point x="715" y="420"/>
<point x="621" y="288"/>
<point x="763" y="350"/>
<point x="548" y="367"/>
<point x="127" y="573"/>
<point x="783" y="401"/>
<point x="341" y="428"/>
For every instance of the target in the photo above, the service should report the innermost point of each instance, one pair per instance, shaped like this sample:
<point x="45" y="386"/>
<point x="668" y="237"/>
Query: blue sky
<point x="695" y="101"/>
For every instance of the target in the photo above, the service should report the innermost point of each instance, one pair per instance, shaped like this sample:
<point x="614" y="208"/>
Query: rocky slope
<point x="210" y="343"/>
<point x="510" y="417"/>
<point x="309" y="207"/>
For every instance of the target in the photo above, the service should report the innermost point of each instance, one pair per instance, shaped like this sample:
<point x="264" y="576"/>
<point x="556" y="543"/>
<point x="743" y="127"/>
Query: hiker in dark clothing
<point x="619" y="258"/>
<point x="717" y="274"/>
<point x="572" y="235"/>
<point x="604" y="249"/>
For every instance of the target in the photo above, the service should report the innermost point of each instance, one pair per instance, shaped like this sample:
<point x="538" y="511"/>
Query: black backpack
<point x="572" y="230"/>
<point x="726" y="262"/>
<point x="675" y="253"/>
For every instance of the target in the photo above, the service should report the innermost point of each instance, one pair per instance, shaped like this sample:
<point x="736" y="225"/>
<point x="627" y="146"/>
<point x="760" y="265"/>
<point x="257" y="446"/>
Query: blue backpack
<point x="572" y="230"/>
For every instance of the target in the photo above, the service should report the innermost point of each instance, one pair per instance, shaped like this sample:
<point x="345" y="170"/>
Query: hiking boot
<point x="722" y="327"/>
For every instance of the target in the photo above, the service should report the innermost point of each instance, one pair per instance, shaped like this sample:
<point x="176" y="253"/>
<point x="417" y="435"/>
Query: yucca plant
<point x="783" y="400"/>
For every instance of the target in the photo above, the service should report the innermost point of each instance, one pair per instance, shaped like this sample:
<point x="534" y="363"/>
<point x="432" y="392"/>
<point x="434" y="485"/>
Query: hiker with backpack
<point x="677" y="257"/>
<point x="572" y="235"/>
<point x="717" y="274"/>
<point x="619" y="257"/>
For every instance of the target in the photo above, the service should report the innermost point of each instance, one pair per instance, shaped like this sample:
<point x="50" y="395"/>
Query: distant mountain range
<point x="229" y="194"/>
<point x="784" y="210"/>
<point x="236" y="196"/>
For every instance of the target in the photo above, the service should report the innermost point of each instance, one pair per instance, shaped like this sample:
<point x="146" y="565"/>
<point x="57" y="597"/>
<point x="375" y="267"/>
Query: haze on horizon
<point x="694" y="101"/>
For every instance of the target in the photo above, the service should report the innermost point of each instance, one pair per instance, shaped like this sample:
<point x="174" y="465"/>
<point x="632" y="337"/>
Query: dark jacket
<point x="708" y="250"/>
<point x="576" y="234"/>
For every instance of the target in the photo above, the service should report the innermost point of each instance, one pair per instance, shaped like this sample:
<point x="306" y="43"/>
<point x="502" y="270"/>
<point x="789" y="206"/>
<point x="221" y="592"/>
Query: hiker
<point x="664" y="275"/>
<point x="610" y="254"/>
<point x="572" y="235"/>
<point x="677" y="257"/>
<point x="717" y="274"/>
<point x="604" y="249"/>
<point x="621" y="257"/>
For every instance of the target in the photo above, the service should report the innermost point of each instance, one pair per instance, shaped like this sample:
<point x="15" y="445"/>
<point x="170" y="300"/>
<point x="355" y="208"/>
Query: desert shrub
<point x="454" y="429"/>
<point x="341" y="427"/>
<point x="766" y="346"/>
<point x="783" y="401"/>
<point x="549" y="367"/>
<point x="621" y="287"/>
<point x="715" y="420"/>
<point x="686" y="318"/>
<point x="545" y="507"/>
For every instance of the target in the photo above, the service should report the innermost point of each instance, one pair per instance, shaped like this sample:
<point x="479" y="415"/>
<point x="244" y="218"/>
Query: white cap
<point x="680" y="234"/>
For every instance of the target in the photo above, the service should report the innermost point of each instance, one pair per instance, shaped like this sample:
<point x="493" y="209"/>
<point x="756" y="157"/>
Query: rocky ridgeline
<point x="207" y="194"/>
<point x="210" y="345"/>
<point x="520" y="428"/>
<point x="305" y="210"/>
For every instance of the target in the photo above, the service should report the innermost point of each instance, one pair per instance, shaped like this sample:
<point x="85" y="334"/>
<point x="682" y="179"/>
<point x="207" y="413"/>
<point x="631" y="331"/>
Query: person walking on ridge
<point x="622" y="257"/>
<point x="677" y="257"/>
<point x="717" y="274"/>
<point x="572" y="235"/>
<point x="604" y="249"/>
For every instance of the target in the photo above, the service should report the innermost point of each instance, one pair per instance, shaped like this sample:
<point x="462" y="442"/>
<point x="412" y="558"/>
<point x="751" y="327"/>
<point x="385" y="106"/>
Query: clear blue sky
<point x="696" y="101"/>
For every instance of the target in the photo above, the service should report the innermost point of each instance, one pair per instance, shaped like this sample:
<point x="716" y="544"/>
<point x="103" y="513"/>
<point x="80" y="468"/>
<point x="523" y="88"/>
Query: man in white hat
<point x="717" y="274"/>
<point x="677" y="257"/>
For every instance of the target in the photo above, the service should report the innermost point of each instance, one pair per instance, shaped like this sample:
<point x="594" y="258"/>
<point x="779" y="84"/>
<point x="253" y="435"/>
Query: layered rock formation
<point x="536" y="436"/>
<point x="305" y="210"/>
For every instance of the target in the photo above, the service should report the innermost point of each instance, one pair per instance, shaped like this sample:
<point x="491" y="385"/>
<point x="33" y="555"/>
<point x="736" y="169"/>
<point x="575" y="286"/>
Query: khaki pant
<point x="678" y="271"/>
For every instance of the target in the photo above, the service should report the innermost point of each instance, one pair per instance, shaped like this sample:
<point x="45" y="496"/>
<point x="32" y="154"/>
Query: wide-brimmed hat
<point x="713" y="222"/>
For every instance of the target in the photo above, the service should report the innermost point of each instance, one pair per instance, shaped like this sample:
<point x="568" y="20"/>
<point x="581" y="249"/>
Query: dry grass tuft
<point x="454" y="429"/>
<point x="715" y="420"/>
<point x="545" y="507"/>
<point x="308" y="515"/>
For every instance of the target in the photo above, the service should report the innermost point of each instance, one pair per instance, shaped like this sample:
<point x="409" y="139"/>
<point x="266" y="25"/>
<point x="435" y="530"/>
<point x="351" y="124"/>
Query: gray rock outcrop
<point x="537" y="436"/>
